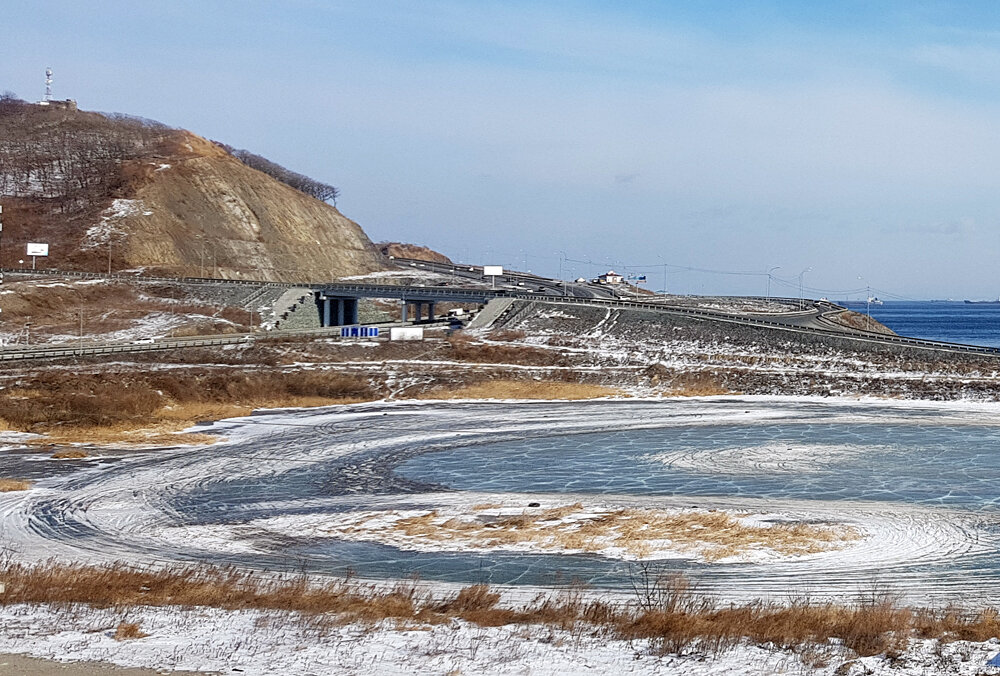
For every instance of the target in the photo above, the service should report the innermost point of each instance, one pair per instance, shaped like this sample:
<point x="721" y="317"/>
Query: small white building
<point x="610" y="277"/>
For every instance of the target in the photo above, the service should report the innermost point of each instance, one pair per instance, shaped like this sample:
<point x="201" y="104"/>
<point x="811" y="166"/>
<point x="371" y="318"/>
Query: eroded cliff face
<point x="200" y="212"/>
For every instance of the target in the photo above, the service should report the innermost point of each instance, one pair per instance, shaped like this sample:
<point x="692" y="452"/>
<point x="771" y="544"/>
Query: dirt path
<point x="19" y="665"/>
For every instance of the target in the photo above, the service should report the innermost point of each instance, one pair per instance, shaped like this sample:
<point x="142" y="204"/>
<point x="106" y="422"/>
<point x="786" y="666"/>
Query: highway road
<point x="816" y="318"/>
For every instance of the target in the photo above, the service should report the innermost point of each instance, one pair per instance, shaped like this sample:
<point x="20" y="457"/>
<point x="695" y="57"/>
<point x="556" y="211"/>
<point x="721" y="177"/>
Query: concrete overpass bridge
<point x="337" y="304"/>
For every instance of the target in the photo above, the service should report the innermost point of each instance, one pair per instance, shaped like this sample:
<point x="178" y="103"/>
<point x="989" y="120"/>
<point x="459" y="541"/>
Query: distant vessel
<point x="873" y="300"/>
<point x="984" y="302"/>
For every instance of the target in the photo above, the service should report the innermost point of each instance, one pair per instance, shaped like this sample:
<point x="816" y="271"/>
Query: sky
<point x="843" y="145"/>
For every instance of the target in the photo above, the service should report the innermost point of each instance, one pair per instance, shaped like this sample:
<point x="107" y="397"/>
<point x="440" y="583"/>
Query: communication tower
<point x="48" y="85"/>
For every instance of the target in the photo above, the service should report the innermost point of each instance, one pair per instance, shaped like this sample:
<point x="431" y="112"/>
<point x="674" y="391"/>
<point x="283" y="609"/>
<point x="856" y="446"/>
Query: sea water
<point x="954" y="322"/>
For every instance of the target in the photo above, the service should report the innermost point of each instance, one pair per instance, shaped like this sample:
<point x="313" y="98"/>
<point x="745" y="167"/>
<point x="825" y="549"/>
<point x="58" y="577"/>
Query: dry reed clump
<point x="128" y="630"/>
<point x="10" y="485"/>
<point x="639" y="533"/>
<point x="69" y="454"/>
<point x="523" y="389"/>
<point x="666" y="610"/>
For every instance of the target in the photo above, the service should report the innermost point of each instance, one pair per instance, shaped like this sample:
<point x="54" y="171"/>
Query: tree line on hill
<point x="321" y="191"/>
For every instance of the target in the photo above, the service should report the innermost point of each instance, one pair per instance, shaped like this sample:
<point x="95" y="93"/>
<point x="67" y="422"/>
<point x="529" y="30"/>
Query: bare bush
<point x="128" y="630"/>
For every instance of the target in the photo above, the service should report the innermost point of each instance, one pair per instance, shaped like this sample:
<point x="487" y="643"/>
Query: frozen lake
<point x="919" y="480"/>
<point x="916" y="462"/>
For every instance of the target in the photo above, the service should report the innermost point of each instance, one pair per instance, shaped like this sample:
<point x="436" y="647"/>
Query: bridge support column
<point x="405" y="312"/>
<point x="335" y="311"/>
<point x="430" y="311"/>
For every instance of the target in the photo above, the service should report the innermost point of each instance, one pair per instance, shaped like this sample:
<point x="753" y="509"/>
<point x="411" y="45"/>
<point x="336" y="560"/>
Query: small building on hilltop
<point x="68" y="104"/>
<point x="610" y="277"/>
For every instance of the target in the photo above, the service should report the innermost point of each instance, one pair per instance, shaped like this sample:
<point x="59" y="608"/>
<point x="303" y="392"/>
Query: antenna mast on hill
<point x="48" y="84"/>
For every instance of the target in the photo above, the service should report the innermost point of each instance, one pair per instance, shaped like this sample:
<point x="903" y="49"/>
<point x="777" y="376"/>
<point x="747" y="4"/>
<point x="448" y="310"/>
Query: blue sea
<point x="955" y="322"/>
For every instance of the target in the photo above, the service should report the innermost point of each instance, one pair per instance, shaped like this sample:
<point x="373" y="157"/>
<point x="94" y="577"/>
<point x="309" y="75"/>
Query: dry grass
<point x="506" y="335"/>
<point x="461" y="347"/>
<point x="665" y="611"/>
<point x="697" y="384"/>
<point x="10" y="485"/>
<point x="70" y="454"/>
<point x="149" y="408"/>
<point x="128" y="630"/>
<point x="638" y="532"/>
<point x="523" y="389"/>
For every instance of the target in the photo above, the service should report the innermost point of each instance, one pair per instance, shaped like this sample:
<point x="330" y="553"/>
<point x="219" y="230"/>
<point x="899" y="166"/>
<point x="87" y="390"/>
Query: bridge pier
<point x="418" y="310"/>
<point x="337" y="310"/>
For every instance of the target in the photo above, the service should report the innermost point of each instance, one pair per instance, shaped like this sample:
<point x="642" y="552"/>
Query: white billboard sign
<point x="406" y="333"/>
<point x="38" y="249"/>
<point x="492" y="270"/>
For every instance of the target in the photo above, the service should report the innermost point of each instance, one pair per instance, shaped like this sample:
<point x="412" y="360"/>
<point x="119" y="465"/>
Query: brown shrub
<point x="128" y="630"/>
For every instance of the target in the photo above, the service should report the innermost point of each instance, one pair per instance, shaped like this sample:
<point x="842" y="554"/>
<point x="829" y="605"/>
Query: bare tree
<point x="321" y="191"/>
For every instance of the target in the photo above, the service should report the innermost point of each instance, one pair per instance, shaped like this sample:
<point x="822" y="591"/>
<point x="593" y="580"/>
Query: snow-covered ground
<point x="261" y="643"/>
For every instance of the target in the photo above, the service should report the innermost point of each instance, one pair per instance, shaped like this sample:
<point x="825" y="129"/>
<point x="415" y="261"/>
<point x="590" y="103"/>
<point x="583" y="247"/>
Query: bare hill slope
<point x="161" y="199"/>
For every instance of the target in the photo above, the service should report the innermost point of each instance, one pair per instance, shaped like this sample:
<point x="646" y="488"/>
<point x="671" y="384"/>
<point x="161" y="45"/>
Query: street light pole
<point x="868" y="303"/>
<point x="562" y="257"/>
<point x="770" y="270"/>
<point x="663" y="289"/>
<point x="801" y="299"/>
<point x="868" y="322"/>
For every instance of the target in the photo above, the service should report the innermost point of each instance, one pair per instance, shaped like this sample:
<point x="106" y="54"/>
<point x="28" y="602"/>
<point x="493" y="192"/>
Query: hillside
<point x="403" y="250"/>
<point x="159" y="199"/>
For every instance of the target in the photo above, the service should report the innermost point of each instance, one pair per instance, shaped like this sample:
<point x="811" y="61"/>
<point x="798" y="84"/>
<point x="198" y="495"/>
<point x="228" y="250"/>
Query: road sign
<point x="492" y="271"/>
<point x="38" y="249"/>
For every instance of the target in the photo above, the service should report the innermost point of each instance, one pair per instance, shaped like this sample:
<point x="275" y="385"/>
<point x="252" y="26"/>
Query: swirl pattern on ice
<point x="261" y="499"/>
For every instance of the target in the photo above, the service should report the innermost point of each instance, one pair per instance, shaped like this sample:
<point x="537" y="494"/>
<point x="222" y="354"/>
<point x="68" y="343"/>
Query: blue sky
<point x="858" y="139"/>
